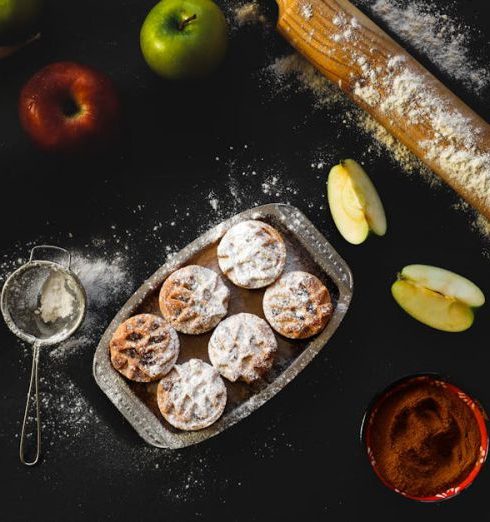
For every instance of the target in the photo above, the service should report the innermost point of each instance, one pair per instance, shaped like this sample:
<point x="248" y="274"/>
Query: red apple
<point x="68" y="107"/>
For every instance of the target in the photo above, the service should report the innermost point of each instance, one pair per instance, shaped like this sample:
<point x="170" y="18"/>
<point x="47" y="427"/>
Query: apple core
<point x="70" y="107"/>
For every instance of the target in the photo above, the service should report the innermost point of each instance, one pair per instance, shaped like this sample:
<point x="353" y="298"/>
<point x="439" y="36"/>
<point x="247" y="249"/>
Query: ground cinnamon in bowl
<point x="425" y="438"/>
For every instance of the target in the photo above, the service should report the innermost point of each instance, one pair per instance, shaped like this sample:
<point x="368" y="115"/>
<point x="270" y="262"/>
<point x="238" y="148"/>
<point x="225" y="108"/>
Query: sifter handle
<point x="32" y="384"/>
<point x="51" y="247"/>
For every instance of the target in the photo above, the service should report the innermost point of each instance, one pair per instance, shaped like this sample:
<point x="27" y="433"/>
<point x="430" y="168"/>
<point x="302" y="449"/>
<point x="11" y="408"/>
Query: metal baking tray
<point x="307" y="250"/>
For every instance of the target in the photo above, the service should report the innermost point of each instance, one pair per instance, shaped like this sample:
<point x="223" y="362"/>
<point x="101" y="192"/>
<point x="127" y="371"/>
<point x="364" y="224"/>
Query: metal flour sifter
<point x="21" y="307"/>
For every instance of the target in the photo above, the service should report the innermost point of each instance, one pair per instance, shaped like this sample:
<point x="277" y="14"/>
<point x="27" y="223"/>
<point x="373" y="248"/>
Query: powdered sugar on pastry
<point x="144" y="348"/>
<point x="297" y="305"/>
<point x="242" y="347"/>
<point x="194" y="299"/>
<point x="252" y="254"/>
<point x="192" y="396"/>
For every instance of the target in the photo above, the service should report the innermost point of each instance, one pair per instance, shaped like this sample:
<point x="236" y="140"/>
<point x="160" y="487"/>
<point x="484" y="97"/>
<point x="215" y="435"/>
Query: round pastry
<point x="144" y="348"/>
<point x="297" y="305"/>
<point x="194" y="299"/>
<point x="192" y="396"/>
<point x="252" y="254"/>
<point x="242" y="347"/>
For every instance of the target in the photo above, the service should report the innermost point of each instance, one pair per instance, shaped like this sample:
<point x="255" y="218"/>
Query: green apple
<point x="354" y="202"/>
<point x="18" y="20"/>
<point x="437" y="297"/>
<point x="183" y="39"/>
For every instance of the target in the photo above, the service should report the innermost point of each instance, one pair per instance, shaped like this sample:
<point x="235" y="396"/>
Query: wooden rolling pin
<point x="387" y="82"/>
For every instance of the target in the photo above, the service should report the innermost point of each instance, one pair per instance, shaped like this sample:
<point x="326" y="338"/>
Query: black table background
<point x="299" y="455"/>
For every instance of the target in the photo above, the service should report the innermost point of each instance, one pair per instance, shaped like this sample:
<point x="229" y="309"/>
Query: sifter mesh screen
<point x="22" y="299"/>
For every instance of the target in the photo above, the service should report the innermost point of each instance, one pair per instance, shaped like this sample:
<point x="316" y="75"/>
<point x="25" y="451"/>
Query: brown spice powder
<point x="424" y="439"/>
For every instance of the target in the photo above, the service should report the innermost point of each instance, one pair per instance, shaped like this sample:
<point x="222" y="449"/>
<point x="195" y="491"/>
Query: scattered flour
<point x="293" y="73"/>
<point x="108" y="278"/>
<point x="399" y="153"/>
<point x="265" y="185"/>
<point x="308" y="79"/>
<point x="443" y="39"/>
<point x="306" y="11"/>
<point x="107" y="281"/>
<point x="482" y="225"/>
<point x="445" y="42"/>
<point x="454" y="144"/>
<point x="213" y="201"/>
<point x="452" y="141"/>
<point x="249" y="13"/>
<point x="67" y="414"/>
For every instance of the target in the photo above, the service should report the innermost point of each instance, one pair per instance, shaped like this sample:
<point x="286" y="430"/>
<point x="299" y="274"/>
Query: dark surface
<point x="299" y="456"/>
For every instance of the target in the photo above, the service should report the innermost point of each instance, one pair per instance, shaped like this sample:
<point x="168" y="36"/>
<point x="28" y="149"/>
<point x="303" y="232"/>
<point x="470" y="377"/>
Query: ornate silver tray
<point x="307" y="250"/>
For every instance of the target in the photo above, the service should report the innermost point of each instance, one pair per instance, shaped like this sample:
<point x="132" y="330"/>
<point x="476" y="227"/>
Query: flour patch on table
<point x="433" y="32"/>
<point x="292" y="73"/>
<point x="106" y="281"/>
<point x="248" y="14"/>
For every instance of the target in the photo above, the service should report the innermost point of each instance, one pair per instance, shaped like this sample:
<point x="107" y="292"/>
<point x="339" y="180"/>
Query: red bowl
<point x="480" y="418"/>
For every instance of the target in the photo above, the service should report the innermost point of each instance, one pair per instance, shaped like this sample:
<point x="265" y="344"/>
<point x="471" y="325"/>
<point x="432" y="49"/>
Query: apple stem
<point x="6" y="51"/>
<point x="186" y="21"/>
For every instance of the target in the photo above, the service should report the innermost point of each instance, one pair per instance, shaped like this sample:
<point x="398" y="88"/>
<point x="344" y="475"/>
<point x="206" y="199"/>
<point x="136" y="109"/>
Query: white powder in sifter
<point x="56" y="299"/>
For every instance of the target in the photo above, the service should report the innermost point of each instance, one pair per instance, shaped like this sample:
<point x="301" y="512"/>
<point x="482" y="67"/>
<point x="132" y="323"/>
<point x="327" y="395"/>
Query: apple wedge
<point x="354" y="202"/>
<point x="437" y="297"/>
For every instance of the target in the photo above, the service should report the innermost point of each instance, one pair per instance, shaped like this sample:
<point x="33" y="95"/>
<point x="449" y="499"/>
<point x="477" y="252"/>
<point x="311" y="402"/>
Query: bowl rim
<point x="438" y="380"/>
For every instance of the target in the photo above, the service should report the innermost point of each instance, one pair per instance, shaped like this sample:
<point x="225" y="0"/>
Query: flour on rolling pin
<point x="387" y="82"/>
<point x="408" y="95"/>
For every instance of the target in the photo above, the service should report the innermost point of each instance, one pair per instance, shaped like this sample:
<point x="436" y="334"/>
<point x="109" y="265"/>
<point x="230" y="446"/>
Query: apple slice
<point x="437" y="297"/>
<point x="445" y="282"/>
<point x="354" y="202"/>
